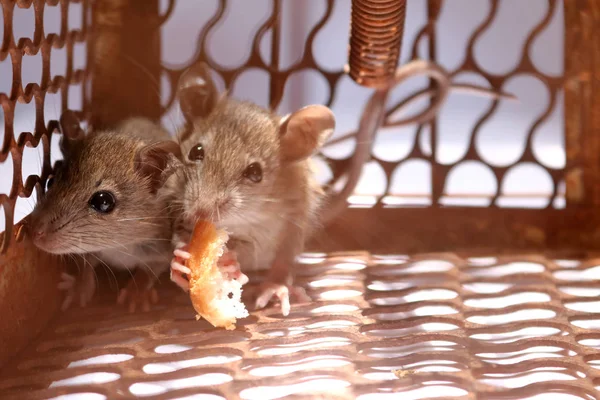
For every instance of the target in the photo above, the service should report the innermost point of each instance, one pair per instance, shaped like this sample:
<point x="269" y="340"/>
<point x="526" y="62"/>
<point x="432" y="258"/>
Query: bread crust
<point x="210" y="291"/>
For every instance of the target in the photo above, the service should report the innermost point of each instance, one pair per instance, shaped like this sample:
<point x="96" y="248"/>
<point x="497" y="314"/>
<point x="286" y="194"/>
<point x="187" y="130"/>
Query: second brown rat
<point x="247" y="170"/>
<point x="107" y="203"/>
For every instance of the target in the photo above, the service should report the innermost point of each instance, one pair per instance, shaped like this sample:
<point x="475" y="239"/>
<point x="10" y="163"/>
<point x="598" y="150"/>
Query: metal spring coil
<point x="376" y="32"/>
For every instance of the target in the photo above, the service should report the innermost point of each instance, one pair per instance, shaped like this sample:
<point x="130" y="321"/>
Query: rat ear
<point x="71" y="131"/>
<point x="196" y="92"/>
<point x="157" y="161"/>
<point x="305" y="131"/>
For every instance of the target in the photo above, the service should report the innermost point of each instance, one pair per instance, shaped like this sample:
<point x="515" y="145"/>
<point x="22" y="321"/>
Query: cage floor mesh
<point x="379" y="327"/>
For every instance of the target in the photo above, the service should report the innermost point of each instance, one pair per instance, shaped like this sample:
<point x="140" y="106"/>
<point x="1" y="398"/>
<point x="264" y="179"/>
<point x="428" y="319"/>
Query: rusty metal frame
<point x="28" y="294"/>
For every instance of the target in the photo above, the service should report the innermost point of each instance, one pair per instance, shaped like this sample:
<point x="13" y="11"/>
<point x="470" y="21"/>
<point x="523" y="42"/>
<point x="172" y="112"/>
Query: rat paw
<point x="230" y="267"/>
<point x="178" y="268"/>
<point x="269" y="290"/>
<point x="79" y="288"/>
<point x="134" y="296"/>
<point x="179" y="278"/>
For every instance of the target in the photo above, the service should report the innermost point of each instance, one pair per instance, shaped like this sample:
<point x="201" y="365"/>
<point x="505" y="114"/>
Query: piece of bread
<point x="215" y="298"/>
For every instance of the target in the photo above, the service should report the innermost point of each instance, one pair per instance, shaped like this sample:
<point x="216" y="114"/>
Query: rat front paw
<point x="227" y="264"/>
<point x="268" y="290"/>
<point x="230" y="267"/>
<point x="178" y="268"/>
<point x="79" y="288"/>
<point x="135" y="296"/>
<point x="139" y="291"/>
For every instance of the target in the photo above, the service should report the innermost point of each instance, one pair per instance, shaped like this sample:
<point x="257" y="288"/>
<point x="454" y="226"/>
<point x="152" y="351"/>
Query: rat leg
<point x="79" y="288"/>
<point x="279" y="282"/>
<point x="140" y="290"/>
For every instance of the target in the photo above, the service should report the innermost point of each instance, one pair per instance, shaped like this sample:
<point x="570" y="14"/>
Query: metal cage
<point x="465" y="313"/>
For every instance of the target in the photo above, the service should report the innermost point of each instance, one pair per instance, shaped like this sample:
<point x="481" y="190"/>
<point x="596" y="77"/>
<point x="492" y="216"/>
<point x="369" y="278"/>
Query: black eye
<point x="253" y="172"/>
<point x="196" y="153"/>
<point x="103" y="202"/>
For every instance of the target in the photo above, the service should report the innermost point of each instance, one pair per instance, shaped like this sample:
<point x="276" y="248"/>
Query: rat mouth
<point x="58" y="245"/>
<point x="219" y="223"/>
<point x="216" y="215"/>
<point x="202" y="215"/>
<point x="49" y="246"/>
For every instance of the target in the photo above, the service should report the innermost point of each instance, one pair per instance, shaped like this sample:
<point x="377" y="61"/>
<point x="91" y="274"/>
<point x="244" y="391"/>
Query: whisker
<point x="141" y="261"/>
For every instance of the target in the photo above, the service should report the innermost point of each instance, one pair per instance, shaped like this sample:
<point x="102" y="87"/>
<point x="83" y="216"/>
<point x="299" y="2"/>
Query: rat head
<point x="104" y="193"/>
<point x="235" y="152"/>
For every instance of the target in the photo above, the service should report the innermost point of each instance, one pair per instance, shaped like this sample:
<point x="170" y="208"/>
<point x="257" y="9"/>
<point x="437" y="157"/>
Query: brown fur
<point x="267" y="220"/>
<point x="135" y="229"/>
<point x="235" y="135"/>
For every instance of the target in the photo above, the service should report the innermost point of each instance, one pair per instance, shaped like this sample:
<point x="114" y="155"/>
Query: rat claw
<point x="180" y="281"/>
<point x="280" y="291"/>
<point x="76" y="287"/>
<point x="181" y="245"/>
<point x="62" y="285"/>
<point x="133" y="305"/>
<point x="229" y="269"/>
<point x="154" y="296"/>
<point x="229" y="258"/>
<point x="122" y="296"/>
<point x="67" y="281"/>
<point x="67" y="277"/>
<point x="285" y="305"/>
<point x="229" y="266"/>
<point x="82" y="301"/>
<point x="133" y="297"/>
<point x="180" y="267"/>
<point x="146" y="305"/>
<point x="268" y="290"/>
<point x="66" y="302"/>
<point x="181" y="254"/>
<point x="243" y="279"/>
<point x="262" y="300"/>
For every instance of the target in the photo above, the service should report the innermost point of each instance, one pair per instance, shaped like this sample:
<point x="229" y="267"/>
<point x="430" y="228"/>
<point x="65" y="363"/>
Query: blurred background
<point x="500" y="140"/>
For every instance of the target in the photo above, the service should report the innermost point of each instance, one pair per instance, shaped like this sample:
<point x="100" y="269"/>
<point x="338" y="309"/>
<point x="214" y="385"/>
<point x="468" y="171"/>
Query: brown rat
<point x="107" y="203"/>
<point x="248" y="171"/>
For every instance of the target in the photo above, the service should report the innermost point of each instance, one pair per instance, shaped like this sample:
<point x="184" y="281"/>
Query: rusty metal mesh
<point x="379" y="327"/>
<point x="425" y="326"/>
<point x="344" y="151"/>
<point x="40" y="46"/>
<point x="352" y="147"/>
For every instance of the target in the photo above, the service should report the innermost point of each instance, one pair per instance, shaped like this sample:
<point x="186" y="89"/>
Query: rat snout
<point x="41" y="230"/>
<point x="36" y="228"/>
<point x="211" y="212"/>
<point x="38" y="234"/>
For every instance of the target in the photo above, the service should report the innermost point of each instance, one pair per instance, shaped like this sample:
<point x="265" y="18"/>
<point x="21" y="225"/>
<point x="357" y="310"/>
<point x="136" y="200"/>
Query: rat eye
<point x="196" y="153"/>
<point x="253" y="172"/>
<point x="103" y="202"/>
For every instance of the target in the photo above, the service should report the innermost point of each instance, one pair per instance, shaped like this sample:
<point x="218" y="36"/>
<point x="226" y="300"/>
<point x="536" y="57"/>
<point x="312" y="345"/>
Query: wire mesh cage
<point x="457" y="258"/>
